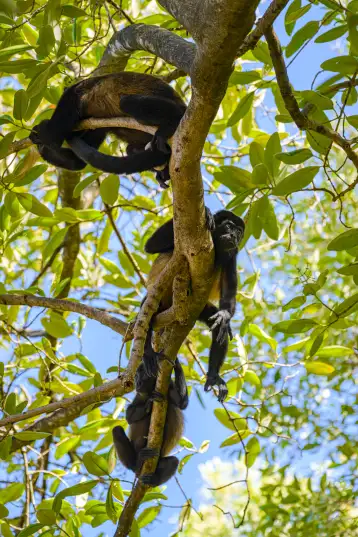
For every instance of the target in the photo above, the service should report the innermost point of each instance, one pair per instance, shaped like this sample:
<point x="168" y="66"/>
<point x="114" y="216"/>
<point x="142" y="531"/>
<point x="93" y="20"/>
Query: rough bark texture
<point x="168" y="46"/>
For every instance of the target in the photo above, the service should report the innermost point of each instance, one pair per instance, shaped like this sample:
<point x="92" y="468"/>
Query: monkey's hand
<point x="221" y="323"/>
<point x="159" y="143"/>
<point x="216" y="380"/>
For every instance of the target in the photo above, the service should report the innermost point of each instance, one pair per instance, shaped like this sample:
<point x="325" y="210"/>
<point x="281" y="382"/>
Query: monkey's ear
<point x="222" y="215"/>
<point x="162" y="240"/>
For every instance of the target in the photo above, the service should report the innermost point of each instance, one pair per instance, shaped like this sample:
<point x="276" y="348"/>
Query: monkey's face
<point x="228" y="235"/>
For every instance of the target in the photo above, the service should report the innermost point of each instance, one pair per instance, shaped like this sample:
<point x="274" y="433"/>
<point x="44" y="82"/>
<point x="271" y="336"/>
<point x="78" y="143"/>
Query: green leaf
<point x="266" y="215"/>
<point x="46" y="517"/>
<point x="95" y="464"/>
<point x="252" y="378"/>
<point x="231" y="420"/>
<point x="240" y="78"/>
<point x="46" y="41"/>
<point x="110" y="507"/>
<point x="5" y="143"/>
<point x="257" y="154"/>
<point x="335" y="351"/>
<point x="260" y="175"/>
<point x="295" y="157"/>
<point x="297" y="326"/>
<point x="253" y="449"/>
<point x="56" y="325"/>
<point x="332" y="34"/>
<point x="316" y="345"/>
<point x="242" y="109"/>
<point x="15" y="49"/>
<point x="319" y="368"/>
<point x="64" y="447"/>
<point x="303" y="35"/>
<point x="73" y="12"/>
<point x="85" y="183"/>
<point x="31" y="204"/>
<point x="235" y="439"/>
<point x="321" y="101"/>
<point x="295" y="181"/>
<point x="297" y="14"/>
<point x="12" y="492"/>
<point x="258" y="332"/>
<point x="31" y="435"/>
<point x="76" y="490"/>
<point x="234" y="178"/>
<point x="3" y="511"/>
<point x="148" y="515"/>
<point x="21" y="102"/>
<point x="344" y="241"/>
<point x="273" y="147"/>
<point x="347" y="307"/>
<point x="346" y="65"/>
<point x="295" y="303"/>
<point x="30" y="530"/>
<point x="32" y="175"/>
<point x="109" y="189"/>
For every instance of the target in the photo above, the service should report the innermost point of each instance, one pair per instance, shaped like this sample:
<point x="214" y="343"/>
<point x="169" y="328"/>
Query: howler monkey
<point x="147" y="99"/>
<point x="227" y="231"/>
<point x="132" y="450"/>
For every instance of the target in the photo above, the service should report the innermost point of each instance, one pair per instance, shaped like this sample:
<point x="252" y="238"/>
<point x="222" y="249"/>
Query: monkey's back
<point x="101" y="95"/>
<point x="173" y="430"/>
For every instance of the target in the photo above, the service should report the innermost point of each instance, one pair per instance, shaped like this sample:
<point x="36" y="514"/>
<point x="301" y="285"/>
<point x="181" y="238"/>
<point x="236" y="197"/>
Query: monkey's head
<point x="41" y="134"/>
<point x="228" y="233"/>
<point x="143" y="383"/>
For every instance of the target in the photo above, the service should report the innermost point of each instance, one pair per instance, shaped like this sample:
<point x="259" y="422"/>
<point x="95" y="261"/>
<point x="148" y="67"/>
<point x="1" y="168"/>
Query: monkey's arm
<point x="227" y="304"/>
<point x="139" y="408"/>
<point x="162" y="240"/>
<point x="178" y="391"/>
<point x="217" y="352"/>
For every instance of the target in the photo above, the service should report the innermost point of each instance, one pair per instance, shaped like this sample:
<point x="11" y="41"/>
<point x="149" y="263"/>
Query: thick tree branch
<point x="187" y="12"/>
<point x="66" y="305"/>
<point x="301" y="120"/>
<point x="268" y="18"/>
<point x="163" y="43"/>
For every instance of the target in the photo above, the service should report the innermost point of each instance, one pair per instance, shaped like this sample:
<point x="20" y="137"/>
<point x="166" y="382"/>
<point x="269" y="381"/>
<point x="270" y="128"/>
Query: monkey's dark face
<point x="227" y="236"/>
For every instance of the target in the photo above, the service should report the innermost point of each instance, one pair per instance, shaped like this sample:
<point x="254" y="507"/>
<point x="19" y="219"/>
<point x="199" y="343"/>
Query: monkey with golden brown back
<point x="227" y="230"/>
<point x="146" y="98"/>
<point x="132" y="450"/>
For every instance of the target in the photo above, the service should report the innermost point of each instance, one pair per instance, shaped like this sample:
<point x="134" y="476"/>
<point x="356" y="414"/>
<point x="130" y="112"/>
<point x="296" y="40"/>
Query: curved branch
<point x="268" y="18"/>
<point x="159" y="41"/>
<point x="66" y="305"/>
<point x="301" y="120"/>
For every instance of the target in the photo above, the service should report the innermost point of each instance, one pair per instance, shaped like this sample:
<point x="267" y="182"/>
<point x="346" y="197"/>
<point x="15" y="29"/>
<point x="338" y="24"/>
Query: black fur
<point x="147" y="99"/>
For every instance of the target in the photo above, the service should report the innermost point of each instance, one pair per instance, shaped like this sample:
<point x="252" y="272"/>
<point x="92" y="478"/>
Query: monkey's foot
<point x="221" y="322"/>
<point x="159" y="143"/>
<point x="162" y="176"/>
<point x="216" y="380"/>
<point x="210" y="220"/>
<point x="157" y="396"/>
<point x="147" y="453"/>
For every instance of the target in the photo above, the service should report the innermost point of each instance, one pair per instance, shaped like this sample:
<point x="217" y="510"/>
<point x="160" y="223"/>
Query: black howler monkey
<point x="227" y="231"/>
<point x="132" y="450"/>
<point x="147" y="99"/>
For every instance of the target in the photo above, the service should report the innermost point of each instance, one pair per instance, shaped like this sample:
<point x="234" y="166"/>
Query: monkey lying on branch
<point x="132" y="450"/>
<point x="227" y="231"/>
<point x="147" y="99"/>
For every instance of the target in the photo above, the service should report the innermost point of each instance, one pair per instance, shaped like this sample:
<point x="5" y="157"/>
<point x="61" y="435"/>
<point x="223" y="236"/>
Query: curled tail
<point x="134" y="163"/>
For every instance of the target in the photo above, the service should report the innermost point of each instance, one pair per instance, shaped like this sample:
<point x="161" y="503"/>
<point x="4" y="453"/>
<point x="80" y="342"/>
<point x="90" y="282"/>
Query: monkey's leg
<point x="157" y="111"/>
<point x="217" y="352"/>
<point x="178" y="391"/>
<point x="124" y="448"/>
<point x="150" y="357"/>
<point x="166" y="468"/>
<point x="162" y="240"/>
